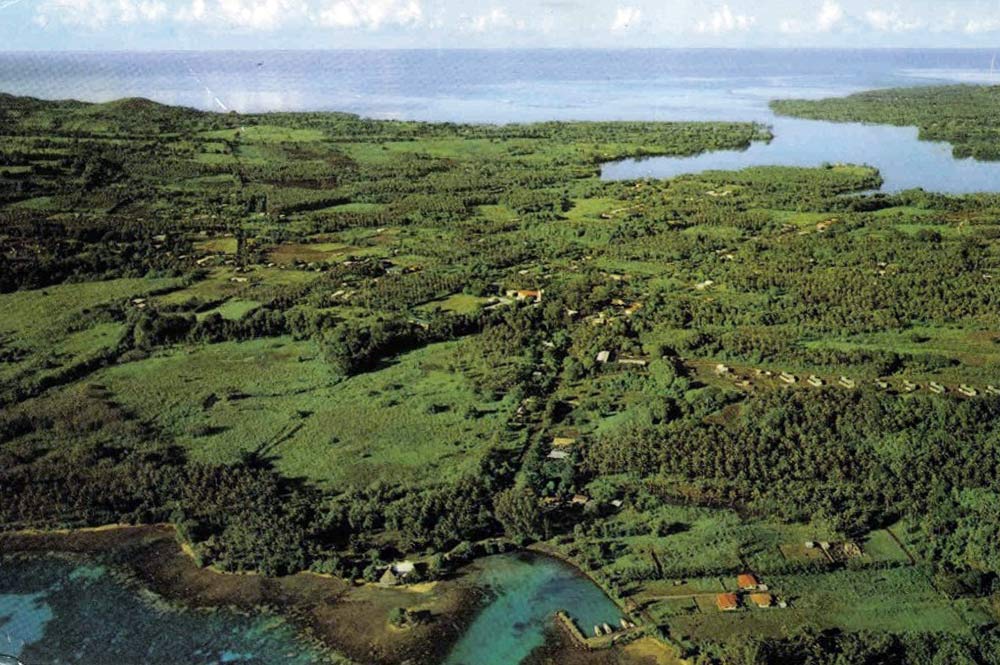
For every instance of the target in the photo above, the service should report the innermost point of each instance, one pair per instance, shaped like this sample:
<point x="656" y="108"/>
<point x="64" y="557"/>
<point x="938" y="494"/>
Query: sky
<point x="329" y="24"/>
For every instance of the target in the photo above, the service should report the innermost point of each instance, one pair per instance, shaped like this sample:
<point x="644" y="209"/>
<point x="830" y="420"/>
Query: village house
<point x="558" y="455"/>
<point x="762" y="600"/>
<point x="967" y="390"/>
<point x="633" y="308"/>
<point x="937" y="388"/>
<point x="525" y="294"/>
<point x="747" y="582"/>
<point x="847" y="383"/>
<point x="603" y="356"/>
<point x="727" y="602"/>
<point x="815" y="381"/>
<point x="563" y="442"/>
<point x="389" y="578"/>
<point x="396" y="574"/>
<point x="788" y="378"/>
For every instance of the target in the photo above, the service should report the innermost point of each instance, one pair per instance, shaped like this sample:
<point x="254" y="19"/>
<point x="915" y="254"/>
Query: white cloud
<point x="497" y="19"/>
<point x="891" y="21"/>
<point x="149" y="11"/>
<point x="979" y="26"/>
<point x="194" y="12"/>
<point x="371" y="14"/>
<point x="724" y="20"/>
<point x="86" y="13"/>
<point x="830" y="16"/>
<point x="257" y="14"/>
<point x="626" y="18"/>
<point x="688" y="22"/>
<point x="250" y="14"/>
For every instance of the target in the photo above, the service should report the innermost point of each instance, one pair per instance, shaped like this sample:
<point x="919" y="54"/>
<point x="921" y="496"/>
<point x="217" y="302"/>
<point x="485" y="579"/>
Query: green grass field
<point x="50" y="327"/>
<point x="898" y="600"/>
<point x="409" y="421"/>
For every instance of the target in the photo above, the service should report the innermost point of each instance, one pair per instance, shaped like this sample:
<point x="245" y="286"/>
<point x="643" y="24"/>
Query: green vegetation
<point x="316" y="341"/>
<point x="963" y="115"/>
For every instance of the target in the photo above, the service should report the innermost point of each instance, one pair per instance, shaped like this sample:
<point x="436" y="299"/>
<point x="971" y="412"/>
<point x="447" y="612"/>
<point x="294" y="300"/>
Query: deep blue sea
<point x="503" y="86"/>
<point x="488" y="85"/>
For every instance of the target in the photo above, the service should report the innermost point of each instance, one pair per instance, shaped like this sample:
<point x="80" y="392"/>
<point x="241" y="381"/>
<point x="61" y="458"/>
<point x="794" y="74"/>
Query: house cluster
<point x="750" y="593"/>
<point x="611" y="314"/>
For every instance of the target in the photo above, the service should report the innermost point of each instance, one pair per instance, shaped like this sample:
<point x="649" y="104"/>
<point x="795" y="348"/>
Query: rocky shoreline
<point x="339" y="617"/>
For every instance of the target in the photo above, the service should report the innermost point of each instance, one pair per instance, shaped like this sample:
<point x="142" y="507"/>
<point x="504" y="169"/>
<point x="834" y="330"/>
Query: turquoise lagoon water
<point x="55" y="612"/>
<point x="526" y="593"/>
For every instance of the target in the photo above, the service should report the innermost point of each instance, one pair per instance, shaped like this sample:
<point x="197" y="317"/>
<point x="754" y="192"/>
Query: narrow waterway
<point x="904" y="161"/>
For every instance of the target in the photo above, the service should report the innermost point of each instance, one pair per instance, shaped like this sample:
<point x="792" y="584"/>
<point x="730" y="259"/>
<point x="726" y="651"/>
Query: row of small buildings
<point x="751" y="592"/>
<point x="846" y="382"/>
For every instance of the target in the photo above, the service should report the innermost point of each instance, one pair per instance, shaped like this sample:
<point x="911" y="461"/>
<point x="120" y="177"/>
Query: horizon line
<point x="430" y="49"/>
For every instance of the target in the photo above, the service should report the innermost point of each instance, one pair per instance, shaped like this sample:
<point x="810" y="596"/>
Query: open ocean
<point x="495" y="86"/>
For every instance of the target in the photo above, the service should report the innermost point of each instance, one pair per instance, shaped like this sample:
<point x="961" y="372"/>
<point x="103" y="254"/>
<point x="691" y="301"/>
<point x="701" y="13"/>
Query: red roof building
<point x="727" y="602"/>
